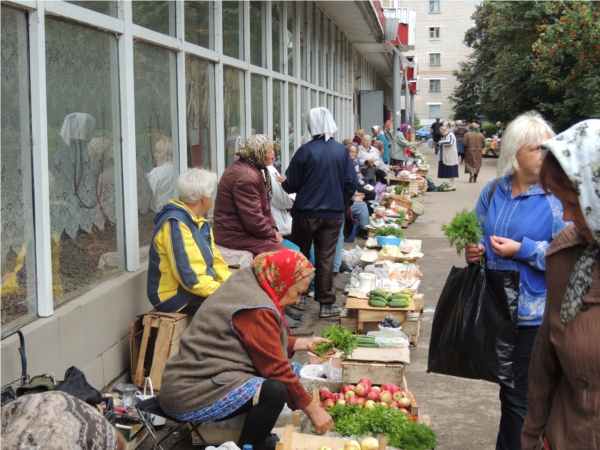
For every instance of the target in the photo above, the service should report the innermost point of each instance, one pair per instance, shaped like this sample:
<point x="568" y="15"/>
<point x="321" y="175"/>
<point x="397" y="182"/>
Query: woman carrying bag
<point x="519" y="221"/>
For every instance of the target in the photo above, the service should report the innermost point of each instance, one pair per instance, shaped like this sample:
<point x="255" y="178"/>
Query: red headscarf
<point x="276" y="272"/>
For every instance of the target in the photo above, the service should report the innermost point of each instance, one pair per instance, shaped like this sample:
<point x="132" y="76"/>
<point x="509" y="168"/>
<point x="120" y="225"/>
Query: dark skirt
<point x="445" y="171"/>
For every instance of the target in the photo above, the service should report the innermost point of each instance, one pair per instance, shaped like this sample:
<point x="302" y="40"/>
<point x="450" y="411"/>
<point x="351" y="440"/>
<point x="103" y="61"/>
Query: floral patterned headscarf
<point x="276" y="272"/>
<point x="578" y="153"/>
<point x="254" y="152"/>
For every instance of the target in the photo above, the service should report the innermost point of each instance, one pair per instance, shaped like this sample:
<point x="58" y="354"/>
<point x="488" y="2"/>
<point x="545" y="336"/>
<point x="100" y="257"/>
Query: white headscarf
<point x="320" y="121"/>
<point x="77" y="126"/>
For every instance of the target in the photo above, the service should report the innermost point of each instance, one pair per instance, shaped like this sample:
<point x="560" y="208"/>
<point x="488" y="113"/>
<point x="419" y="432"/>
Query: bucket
<point x="352" y="236"/>
<point x="417" y="208"/>
<point x="157" y="421"/>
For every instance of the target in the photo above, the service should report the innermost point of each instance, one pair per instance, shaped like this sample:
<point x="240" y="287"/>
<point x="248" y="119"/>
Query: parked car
<point x="423" y="134"/>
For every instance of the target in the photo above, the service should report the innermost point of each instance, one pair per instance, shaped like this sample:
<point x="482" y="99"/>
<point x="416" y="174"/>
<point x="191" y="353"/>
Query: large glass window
<point x="200" y="23"/>
<point x="327" y="49"/>
<point x="16" y="203"/>
<point x="156" y="15"/>
<point x="276" y="28"/>
<point x="435" y="85"/>
<point x="303" y="44"/>
<point x="311" y="15"/>
<point x="291" y="37"/>
<point x="435" y="59"/>
<point x="84" y="155"/>
<point x="258" y="47"/>
<point x="156" y="133"/>
<point x="435" y="111"/>
<point x="304" y="110"/>
<point x="318" y="32"/>
<point x="234" y="112"/>
<point x="434" y="6"/>
<point x="109" y="8"/>
<point x="233" y="29"/>
<point x="200" y="111"/>
<point x="292" y="117"/>
<point x="278" y="117"/>
<point x="258" y="98"/>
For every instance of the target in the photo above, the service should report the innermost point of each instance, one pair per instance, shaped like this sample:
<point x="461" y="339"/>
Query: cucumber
<point x="398" y="304"/>
<point x="378" y="292"/>
<point x="377" y="303"/>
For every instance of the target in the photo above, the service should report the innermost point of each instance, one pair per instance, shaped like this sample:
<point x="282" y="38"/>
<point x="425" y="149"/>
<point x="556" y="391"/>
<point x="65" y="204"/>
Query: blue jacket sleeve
<point x="481" y="208"/>
<point x="294" y="174"/>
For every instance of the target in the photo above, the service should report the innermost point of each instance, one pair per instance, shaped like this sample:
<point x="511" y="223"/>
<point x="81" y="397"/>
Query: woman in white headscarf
<point x="563" y="402"/>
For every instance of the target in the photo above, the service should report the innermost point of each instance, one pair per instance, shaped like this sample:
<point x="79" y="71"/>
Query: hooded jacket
<point x="184" y="262"/>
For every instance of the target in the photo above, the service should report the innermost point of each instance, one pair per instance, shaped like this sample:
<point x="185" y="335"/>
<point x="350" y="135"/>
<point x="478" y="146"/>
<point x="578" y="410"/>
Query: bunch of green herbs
<point x="462" y="230"/>
<point x="390" y="231"/>
<point x="341" y="339"/>
<point x="398" y="189"/>
<point x="400" y="432"/>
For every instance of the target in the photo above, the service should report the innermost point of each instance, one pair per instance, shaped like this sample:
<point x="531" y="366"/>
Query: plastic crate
<point x="311" y="378"/>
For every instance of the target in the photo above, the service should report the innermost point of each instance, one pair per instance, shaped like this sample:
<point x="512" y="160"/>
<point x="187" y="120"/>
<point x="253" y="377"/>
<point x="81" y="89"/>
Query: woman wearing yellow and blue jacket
<point x="185" y="267"/>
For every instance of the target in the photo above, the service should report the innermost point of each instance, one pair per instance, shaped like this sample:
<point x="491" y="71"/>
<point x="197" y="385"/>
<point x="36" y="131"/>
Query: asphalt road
<point x="464" y="413"/>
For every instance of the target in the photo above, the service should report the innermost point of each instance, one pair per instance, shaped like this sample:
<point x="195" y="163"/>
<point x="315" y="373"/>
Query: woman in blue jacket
<point x="519" y="221"/>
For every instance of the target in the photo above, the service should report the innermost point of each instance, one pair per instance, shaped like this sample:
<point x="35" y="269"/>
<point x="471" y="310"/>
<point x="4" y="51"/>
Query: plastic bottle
<point x="247" y="447"/>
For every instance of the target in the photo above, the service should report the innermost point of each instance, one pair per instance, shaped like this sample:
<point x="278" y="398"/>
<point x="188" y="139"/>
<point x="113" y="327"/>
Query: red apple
<point x="328" y="403"/>
<point x="384" y="404"/>
<point x="403" y="411"/>
<point x="340" y="396"/>
<point x="324" y="391"/>
<point x="330" y="395"/>
<point x="348" y="388"/>
<point x="404" y="403"/>
<point x="362" y="390"/>
<point x="373" y="395"/>
<point x="385" y="396"/>
<point x="395" y="388"/>
<point x="350" y="394"/>
<point x="394" y="404"/>
<point x="340" y="402"/>
<point x="397" y="395"/>
<point x="369" y="404"/>
<point x="366" y="381"/>
<point x="386" y="387"/>
<point x="352" y="401"/>
<point x="376" y="388"/>
<point x="360" y="401"/>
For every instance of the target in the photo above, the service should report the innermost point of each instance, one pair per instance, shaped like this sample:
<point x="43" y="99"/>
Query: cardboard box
<point x="381" y="365"/>
<point x="134" y="434"/>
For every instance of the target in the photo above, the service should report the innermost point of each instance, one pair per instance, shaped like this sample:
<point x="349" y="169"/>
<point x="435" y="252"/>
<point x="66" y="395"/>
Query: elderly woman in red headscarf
<point x="232" y="358"/>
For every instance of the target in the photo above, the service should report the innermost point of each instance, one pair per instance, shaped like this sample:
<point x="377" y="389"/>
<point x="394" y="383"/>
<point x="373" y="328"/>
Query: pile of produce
<point x="398" y="189"/>
<point x="390" y="250"/>
<point x="390" y="231"/>
<point x="341" y="339"/>
<point x="381" y="299"/>
<point x="462" y="230"/>
<point x="365" y="409"/>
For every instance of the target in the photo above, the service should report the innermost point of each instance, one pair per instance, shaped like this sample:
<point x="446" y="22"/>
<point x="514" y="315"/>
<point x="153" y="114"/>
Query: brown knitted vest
<point x="212" y="361"/>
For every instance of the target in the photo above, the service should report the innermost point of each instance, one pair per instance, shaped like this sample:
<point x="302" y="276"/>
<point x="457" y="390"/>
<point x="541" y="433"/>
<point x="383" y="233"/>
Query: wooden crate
<point x="349" y="320"/>
<point x="365" y="313"/>
<point x="154" y="338"/>
<point x="377" y="372"/>
<point x="298" y="441"/>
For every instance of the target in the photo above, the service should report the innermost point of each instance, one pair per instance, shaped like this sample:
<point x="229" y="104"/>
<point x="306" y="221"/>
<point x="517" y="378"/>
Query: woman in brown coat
<point x="563" y="405"/>
<point x="473" y="142"/>
<point x="243" y="219"/>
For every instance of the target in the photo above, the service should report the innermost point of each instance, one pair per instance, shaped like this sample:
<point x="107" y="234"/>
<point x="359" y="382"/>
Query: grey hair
<point x="459" y="123"/>
<point x="526" y="129"/>
<point x="196" y="183"/>
<point x="365" y="136"/>
<point x="165" y="147"/>
<point x="444" y="128"/>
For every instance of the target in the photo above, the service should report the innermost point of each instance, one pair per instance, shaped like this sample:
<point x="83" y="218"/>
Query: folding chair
<point x="152" y="406"/>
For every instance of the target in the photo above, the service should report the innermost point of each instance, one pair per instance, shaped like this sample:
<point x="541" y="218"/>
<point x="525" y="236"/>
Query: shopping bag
<point x="475" y="325"/>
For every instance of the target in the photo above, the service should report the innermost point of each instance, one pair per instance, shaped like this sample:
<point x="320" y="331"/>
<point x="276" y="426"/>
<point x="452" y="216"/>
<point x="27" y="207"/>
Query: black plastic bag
<point x="77" y="385"/>
<point x="475" y="325"/>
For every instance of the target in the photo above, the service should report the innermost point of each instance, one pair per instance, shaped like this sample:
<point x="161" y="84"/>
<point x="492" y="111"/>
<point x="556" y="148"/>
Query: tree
<point x="466" y="95"/>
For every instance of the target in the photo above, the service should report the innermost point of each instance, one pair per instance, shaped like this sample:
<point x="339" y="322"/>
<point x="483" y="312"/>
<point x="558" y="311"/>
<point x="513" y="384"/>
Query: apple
<point x="395" y="388"/>
<point x="352" y="445"/>
<point x="340" y="402"/>
<point x="329" y="403"/>
<point x="366" y="381"/>
<point x="369" y="404"/>
<point x="362" y="389"/>
<point x="373" y="395"/>
<point x="376" y="388"/>
<point x="386" y="387"/>
<point x="350" y="394"/>
<point x="340" y="396"/>
<point x="403" y="411"/>
<point x="384" y="404"/>
<point x="394" y="404"/>
<point x="397" y="395"/>
<point x="325" y="448"/>
<point x="330" y="395"/>
<point x="369" y="443"/>
<point x="404" y="403"/>
<point x="348" y="388"/>
<point x="352" y="400"/>
<point x="385" y="396"/>
<point x="360" y="401"/>
<point x="323" y="391"/>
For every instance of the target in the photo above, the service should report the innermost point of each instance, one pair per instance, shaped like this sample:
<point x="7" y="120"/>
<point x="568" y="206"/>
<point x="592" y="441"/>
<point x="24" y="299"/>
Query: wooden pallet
<point x="349" y="320"/>
<point x="365" y="313"/>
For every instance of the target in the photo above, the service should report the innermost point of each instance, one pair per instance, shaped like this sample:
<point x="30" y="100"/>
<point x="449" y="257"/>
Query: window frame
<point x="434" y="7"/>
<point x="435" y="59"/>
<point x="434" y="33"/>
<point x="435" y="111"/>
<point x="433" y="83"/>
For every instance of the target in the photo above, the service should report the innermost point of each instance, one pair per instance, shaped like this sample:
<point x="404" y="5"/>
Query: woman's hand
<point x="507" y="248"/>
<point x="474" y="252"/>
<point x="320" y="418"/>
<point x="308" y="344"/>
<point x="370" y="162"/>
<point x="278" y="236"/>
<point x="359" y="197"/>
<point x="281" y="178"/>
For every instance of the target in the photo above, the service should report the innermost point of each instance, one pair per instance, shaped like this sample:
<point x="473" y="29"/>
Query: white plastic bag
<point x="388" y="337"/>
<point x="334" y="374"/>
<point x="157" y="421"/>
<point x="229" y="445"/>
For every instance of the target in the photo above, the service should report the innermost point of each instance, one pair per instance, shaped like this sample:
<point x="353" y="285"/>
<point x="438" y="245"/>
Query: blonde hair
<point x="164" y="147"/>
<point x="526" y="129"/>
<point x="360" y="132"/>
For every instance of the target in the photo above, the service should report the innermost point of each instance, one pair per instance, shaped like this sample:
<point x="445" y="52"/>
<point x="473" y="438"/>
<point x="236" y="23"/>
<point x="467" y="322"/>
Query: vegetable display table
<point x="299" y="441"/>
<point x="363" y="314"/>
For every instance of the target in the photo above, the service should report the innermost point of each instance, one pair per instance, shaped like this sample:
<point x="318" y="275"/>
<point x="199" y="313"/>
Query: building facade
<point x="104" y="103"/>
<point x="439" y="48"/>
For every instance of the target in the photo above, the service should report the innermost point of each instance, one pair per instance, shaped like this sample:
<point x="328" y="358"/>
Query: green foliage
<point x="534" y="55"/>
<point x="341" y="338"/>
<point x="462" y="230"/>
<point x="400" y="432"/>
<point x="398" y="189"/>
<point x="489" y="129"/>
<point x="466" y="95"/>
<point x="389" y="231"/>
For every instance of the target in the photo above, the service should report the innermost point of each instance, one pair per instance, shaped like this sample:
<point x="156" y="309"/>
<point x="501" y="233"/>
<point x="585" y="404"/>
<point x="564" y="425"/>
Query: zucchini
<point x="378" y="292"/>
<point x="377" y="303"/>
<point x="398" y="304"/>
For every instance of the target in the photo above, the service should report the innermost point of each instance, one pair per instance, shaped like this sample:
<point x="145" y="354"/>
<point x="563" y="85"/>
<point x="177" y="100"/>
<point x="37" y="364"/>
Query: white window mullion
<point x="285" y="132"/>
<point x="126" y="75"/>
<point x="41" y="187"/>
<point x="180" y="87"/>
<point x="247" y="78"/>
<point x="268" y="16"/>
<point x="219" y="95"/>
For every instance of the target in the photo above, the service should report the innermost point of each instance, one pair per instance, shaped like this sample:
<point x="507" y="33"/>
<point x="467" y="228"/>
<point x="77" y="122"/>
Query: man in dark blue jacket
<point x="324" y="180"/>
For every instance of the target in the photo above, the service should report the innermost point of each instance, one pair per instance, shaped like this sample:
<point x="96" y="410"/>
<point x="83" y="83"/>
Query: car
<point x="423" y="134"/>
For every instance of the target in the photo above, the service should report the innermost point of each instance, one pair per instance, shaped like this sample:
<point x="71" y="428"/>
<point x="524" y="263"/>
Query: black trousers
<point x="514" y="400"/>
<point x="325" y="234"/>
<point x="261" y="418"/>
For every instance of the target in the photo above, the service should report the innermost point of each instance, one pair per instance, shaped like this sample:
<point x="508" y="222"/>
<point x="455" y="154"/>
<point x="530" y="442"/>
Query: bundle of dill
<point x="462" y="230"/>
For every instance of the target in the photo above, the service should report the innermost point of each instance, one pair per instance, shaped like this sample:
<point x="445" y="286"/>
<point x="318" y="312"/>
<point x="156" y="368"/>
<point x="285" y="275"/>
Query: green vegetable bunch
<point x="341" y="338"/>
<point x="353" y="421"/>
<point x="398" y="189"/>
<point x="462" y="230"/>
<point x="389" y="231"/>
